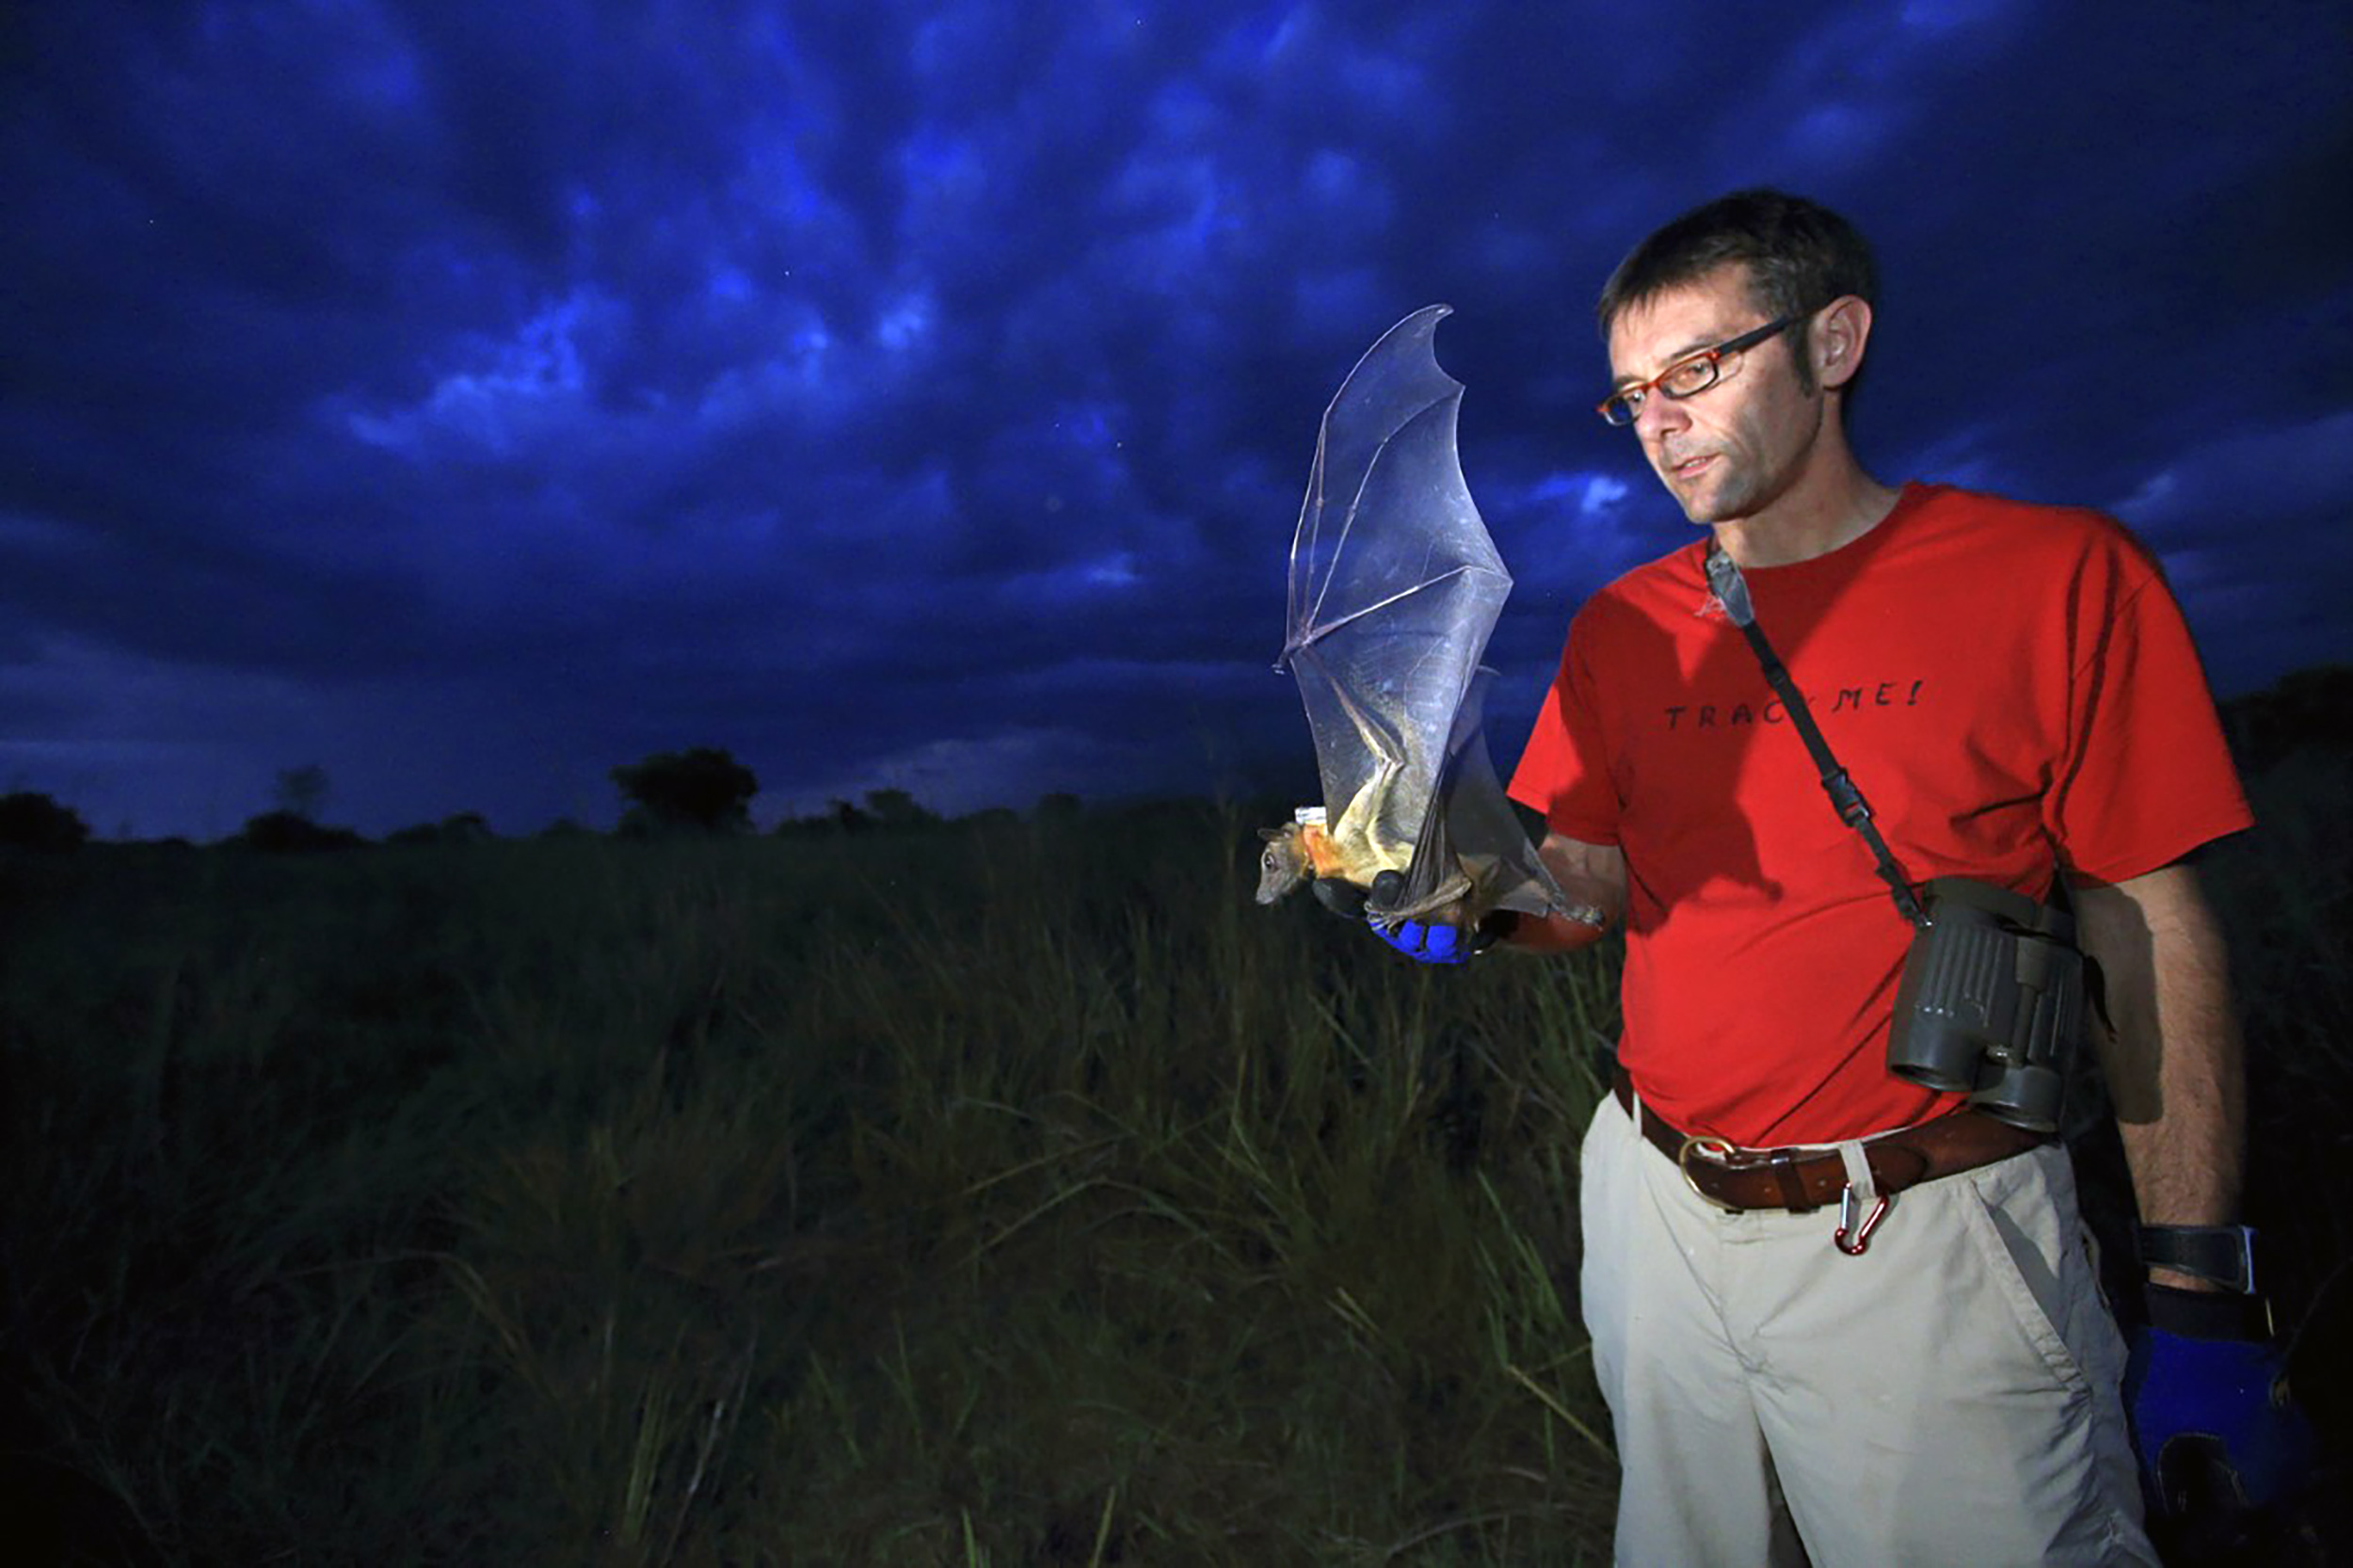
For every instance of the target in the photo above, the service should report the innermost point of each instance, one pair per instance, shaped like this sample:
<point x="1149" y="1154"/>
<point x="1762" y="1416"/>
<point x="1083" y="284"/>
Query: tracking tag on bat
<point x="1732" y="590"/>
<point x="1308" y="815"/>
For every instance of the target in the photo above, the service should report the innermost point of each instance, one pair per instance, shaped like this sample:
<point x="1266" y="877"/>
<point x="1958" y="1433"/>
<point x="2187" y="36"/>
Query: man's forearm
<point x="2186" y="1161"/>
<point x="2174" y="1062"/>
<point x="1589" y="875"/>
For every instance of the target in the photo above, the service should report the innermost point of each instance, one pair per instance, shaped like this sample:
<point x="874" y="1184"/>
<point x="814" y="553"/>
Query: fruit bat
<point x="1394" y="588"/>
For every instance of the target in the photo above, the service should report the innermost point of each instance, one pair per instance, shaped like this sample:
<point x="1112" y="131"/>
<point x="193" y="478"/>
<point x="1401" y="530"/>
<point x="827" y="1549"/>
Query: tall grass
<point x="1012" y="1196"/>
<point x="1023" y="1196"/>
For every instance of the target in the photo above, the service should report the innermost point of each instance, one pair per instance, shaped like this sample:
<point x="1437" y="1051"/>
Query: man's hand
<point x="1423" y="941"/>
<point x="1426" y="942"/>
<point x="1593" y="876"/>
<point x="2215" y="1434"/>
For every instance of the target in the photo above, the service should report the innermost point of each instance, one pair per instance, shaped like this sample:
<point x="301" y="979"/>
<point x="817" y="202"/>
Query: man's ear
<point x="1840" y="334"/>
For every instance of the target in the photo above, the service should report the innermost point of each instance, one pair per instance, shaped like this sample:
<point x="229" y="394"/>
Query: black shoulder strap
<point x="1732" y="591"/>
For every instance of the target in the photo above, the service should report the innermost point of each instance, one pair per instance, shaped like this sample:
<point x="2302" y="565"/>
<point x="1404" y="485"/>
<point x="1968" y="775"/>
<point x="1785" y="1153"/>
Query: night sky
<point x="470" y="397"/>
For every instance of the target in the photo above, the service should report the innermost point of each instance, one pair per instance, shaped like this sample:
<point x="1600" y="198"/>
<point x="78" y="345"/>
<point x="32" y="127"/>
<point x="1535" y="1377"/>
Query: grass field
<point x="1012" y="1195"/>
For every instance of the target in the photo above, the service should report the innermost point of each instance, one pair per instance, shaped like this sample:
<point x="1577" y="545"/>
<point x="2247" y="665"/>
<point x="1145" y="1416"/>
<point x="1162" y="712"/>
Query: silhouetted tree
<point x="30" y="820"/>
<point x="897" y="809"/>
<point x="302" y="792"/>
<point x="704" y="788"/>
<point x="466" y="828"/>
<point x="1059" y="806"/>
<point x="287" y="833"/>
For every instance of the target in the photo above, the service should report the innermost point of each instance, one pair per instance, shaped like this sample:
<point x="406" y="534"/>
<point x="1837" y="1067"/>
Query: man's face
<point x="1732" y="450"/>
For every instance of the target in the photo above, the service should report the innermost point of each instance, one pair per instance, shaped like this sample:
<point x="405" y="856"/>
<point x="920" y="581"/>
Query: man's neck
<point x="1832" y="506"/>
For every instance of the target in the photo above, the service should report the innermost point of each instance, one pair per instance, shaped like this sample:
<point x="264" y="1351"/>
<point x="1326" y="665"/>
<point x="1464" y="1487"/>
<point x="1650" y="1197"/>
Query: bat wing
<point x="1394" y="588"/>
<point x="1472" y="832"/>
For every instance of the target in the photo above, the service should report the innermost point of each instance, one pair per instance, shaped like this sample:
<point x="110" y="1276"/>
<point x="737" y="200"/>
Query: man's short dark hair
<point x="1799" y="256"/>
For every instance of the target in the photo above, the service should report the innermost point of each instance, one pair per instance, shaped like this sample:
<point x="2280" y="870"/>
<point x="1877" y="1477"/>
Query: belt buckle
<point x="1717" y="1149"/>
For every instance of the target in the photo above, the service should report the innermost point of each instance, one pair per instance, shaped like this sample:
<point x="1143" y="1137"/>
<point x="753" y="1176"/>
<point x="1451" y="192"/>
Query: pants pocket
<point x="2026" y="1237"/>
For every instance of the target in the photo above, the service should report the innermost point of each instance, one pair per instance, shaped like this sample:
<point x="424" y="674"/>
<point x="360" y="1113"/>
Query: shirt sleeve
<point x="2145" y="775"/>
<point x="1564" y="771"/>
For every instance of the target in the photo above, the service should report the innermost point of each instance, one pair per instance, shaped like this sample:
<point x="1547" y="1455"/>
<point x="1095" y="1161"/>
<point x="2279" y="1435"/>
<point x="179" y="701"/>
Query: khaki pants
<point x="1949" y="1397"/>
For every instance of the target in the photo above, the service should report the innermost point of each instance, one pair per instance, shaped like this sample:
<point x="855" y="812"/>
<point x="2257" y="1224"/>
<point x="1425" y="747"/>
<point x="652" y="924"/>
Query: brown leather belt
<point x="1799" y="1179"/>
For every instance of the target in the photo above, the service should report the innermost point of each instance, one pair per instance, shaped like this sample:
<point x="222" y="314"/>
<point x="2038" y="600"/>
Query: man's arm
<point x="2174" y="1062"/>
<point x="2202" y="1385"/>
<point x="1591" y="874"/>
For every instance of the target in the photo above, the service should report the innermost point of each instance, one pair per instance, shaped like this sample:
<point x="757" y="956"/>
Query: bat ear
<point x="1273" y="834"/>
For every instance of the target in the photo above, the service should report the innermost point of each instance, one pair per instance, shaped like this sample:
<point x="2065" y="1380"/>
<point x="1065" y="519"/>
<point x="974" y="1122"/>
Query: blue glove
<point x="2215" y="1432"/>
<point x="1427" y="943"/>
<point x="1423" y="941"/>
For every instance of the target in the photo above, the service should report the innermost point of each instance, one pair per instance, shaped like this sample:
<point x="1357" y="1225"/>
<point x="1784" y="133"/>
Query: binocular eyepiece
<point x="1992" y="1002"/>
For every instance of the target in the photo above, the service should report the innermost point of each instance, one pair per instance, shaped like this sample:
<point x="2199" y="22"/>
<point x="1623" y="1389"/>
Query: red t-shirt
<point x="2011" y="687"/>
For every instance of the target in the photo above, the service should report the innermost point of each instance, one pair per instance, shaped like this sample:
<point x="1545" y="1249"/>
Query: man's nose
<point x="1658" y="415"/>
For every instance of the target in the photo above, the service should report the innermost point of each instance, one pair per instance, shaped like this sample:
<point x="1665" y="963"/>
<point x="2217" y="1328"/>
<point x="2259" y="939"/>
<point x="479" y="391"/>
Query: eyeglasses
<point x="1687" y="376"/>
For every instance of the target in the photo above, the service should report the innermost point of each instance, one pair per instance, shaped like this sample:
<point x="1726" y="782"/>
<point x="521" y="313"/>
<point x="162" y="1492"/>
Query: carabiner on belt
<point x="1849" y="1238"/>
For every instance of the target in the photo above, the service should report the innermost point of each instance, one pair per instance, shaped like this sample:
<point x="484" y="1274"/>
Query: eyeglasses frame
<point x="1715" y="356"/>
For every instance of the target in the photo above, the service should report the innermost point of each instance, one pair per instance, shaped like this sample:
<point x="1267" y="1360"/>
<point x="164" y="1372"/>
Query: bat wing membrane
<point x="1395" y="586"/>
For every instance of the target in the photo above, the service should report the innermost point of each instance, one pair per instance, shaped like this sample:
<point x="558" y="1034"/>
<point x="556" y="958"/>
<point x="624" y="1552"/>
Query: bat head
<point x="1283" y="865"/>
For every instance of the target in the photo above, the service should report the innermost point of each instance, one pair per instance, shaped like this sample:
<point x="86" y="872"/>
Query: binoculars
<point x="1992" y="1002"/>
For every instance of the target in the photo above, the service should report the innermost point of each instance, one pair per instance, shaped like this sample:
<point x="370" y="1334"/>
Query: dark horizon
<point x="920" y="396"/>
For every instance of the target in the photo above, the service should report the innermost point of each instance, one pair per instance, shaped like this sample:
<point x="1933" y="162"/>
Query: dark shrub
<point x="704" y="788"/>
<point x="33" y="820"/>
<point x="285" y="833"/>
<point x="2303" y="711"/>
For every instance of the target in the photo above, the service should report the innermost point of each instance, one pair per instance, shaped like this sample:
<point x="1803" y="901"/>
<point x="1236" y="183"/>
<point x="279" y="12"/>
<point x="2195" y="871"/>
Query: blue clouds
<point x="921" y="394"/>
<point x="2225" y="513"/>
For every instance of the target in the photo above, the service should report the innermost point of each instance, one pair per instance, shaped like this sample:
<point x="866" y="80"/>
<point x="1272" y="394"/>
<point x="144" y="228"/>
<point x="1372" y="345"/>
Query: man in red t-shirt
<point x="1825" y="1299"/>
